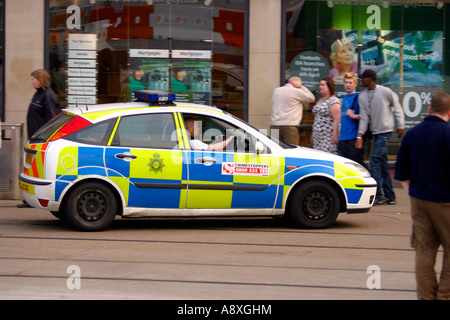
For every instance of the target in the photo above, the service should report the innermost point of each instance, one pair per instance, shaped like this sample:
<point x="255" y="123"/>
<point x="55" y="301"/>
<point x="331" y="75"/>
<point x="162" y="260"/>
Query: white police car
<point x="89" y="164"/>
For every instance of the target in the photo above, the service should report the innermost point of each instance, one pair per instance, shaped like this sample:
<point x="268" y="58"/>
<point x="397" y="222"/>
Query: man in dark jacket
<point x="423" y="168"/>
<point x="44" y="104"/>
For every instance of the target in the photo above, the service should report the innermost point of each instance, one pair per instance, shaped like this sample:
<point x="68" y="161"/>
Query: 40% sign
<point x="413" y="103"/>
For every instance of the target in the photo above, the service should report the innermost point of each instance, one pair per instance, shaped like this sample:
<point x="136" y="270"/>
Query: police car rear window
<point x="46" y="131"/>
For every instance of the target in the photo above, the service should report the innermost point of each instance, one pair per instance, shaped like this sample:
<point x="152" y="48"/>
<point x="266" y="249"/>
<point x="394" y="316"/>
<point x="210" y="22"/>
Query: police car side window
<point x="96" y="134"/>
<point x="212" y="130"/>
<point x="146" y="131"/>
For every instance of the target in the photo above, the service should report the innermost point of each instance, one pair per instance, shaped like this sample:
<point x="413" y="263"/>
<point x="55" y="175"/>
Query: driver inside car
<point x="196" y="144"/>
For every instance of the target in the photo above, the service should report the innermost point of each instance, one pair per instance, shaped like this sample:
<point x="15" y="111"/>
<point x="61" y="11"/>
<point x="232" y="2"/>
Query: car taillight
<point x="73" y="125"/>
<point x="43" y="202"/>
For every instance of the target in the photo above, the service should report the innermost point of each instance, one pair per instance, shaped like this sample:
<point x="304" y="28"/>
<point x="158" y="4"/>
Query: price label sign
<point x="415" y="104"/>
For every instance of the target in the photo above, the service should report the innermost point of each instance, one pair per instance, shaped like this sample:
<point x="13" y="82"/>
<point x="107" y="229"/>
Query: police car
<point x="92" y="163"/>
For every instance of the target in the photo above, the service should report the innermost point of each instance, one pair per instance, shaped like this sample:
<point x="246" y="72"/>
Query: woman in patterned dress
<point x="327" y="112"/>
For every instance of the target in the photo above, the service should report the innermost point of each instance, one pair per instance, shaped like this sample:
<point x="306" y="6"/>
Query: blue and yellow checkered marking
<point x="296" y="169"/>
<point x="173" y="178"/>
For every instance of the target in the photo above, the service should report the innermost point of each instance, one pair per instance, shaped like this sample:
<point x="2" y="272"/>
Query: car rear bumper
<point x="38" y="193"/>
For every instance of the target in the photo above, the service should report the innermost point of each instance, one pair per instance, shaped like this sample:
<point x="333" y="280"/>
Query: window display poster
<point x="156" y="74"/>
<point x="339" y="47"/>
<point x="422" y="52"/>
<point x="190" y="80"/>
<point x="148" y="70"/>
<point x="310" y="66"/>
<point x="415" y="103"/>
<point x="187" y="74"/>
<point x="422" y="56"/>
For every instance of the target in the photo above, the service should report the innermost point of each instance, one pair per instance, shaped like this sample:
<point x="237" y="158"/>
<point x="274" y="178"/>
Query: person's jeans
<point x="379" y="166"/>
<point x="346" y="149"/>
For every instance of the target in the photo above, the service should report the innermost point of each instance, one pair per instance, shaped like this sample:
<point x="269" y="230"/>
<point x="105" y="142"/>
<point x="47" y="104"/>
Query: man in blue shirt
<point x="349" y="121"/>
<point x="423" y="168"/>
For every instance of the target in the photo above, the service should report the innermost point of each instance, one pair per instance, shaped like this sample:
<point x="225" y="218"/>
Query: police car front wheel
<point x="90" y="206"/>
<point x="314" y="205"/>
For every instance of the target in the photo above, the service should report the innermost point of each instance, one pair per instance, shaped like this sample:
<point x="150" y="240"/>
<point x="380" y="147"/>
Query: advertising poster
<point x="190" y="77"/>
<point x="415" y="103"/>
<point x="422" y="56"/>
<point x="310" y="66"/>
<point x="156" y="74"/>
<point x="148" y="70"/>
<point x="339" y="47"/>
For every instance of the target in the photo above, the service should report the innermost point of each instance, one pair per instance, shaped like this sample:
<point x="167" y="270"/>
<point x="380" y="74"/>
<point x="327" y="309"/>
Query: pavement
<point x="174" y="260"/>
<point x="402" y="206"/>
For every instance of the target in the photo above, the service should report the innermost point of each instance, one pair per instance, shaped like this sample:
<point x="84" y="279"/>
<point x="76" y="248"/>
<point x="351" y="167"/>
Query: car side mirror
<point x="259" y="147"/>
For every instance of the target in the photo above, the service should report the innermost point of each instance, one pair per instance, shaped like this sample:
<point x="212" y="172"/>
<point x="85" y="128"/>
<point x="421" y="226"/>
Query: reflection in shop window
<point x="142" y="46"/>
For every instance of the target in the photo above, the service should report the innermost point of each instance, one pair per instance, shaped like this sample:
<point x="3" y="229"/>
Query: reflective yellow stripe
<point x="181" y="132"/>
<point x="347" y="177"/>
<point x="114" y="131"/>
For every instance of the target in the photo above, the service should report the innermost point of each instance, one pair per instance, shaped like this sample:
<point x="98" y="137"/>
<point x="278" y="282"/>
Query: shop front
<point x="227" y="53"/>
<point x="102" y="51"/>
<point x="405" y="42"/>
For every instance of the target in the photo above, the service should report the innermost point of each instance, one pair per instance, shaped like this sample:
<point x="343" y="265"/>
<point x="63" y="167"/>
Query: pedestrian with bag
<point x="349" y="121"/>
<point x="375" y="105"/>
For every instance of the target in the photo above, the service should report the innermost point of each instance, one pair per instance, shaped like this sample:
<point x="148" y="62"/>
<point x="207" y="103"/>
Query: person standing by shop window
<point x="327" y="116"/>
<point x="423" y="168"/>
<point x="44" y="104"/>
<point x="349" y="121"/>
<point x="375" y="104"/>
<point x="287" y="109"/>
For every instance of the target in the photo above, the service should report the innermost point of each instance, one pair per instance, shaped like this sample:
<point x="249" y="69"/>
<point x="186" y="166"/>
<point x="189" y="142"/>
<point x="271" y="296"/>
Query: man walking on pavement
<point x="423" y="168"/>
<point x="287" y="109"/>
<point x="375" y="113"/>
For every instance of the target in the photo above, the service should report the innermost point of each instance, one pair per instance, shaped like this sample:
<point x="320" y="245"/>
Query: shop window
<point x="2" y="44"/>
<point x="391" y="37"/>
<point x="102" y="51"/>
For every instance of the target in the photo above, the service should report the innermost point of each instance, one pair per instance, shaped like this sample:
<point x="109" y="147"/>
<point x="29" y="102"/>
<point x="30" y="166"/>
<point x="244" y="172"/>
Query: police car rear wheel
<point x="91" y="207"/>
<point x="314" y="205"/>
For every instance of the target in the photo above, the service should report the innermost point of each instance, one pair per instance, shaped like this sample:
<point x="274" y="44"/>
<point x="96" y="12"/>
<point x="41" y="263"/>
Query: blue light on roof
<point x="155" y="97"/>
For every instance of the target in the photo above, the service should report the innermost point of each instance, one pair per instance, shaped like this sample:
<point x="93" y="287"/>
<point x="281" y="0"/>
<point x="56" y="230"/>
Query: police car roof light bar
<point x="156" y="97"/>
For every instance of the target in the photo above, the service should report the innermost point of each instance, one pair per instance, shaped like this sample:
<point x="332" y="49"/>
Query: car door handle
<point x="127" y="156"/>
<point x="207" y="161"/>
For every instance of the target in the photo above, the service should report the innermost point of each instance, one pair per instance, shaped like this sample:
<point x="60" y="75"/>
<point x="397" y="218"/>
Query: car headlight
<point x="358" y="168"/>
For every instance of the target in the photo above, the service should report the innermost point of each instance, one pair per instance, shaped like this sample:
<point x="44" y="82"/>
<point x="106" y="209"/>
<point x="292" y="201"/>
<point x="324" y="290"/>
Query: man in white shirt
<point x="196" y="144"/>
<point x="287" y="109"/>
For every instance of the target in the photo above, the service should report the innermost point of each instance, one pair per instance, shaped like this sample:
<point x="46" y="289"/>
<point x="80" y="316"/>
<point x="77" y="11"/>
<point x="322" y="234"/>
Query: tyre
<point x="59" y="214"/>
<point x="91" y="207"/>
<point x="314" y="205"/>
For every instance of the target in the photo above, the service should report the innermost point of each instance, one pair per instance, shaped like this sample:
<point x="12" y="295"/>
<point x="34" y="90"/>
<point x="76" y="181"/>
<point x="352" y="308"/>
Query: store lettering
<point x="74" y="20"/>
<point x="374" y="21"/>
